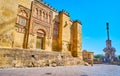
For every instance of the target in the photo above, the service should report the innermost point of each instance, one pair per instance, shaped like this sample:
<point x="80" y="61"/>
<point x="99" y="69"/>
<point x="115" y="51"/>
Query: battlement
<point x="78" y="21"/>
<point x="65" y="12"/>
<point x="47" y="5"/>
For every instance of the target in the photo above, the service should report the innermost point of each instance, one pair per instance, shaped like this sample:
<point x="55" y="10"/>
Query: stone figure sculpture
<point x="109" y="50"/>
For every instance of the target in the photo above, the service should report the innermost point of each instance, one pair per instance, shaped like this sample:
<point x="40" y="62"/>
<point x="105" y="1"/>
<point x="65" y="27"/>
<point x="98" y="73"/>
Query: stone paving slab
<point x="96" y="70"/>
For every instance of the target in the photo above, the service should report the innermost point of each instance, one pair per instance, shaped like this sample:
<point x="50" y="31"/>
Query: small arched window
<point x="49" y="18"/>
<point x="36" y="12"/>
<point x="39" y="14"/>
<point x="44" y="16"/>
<point x="22" y="21"/>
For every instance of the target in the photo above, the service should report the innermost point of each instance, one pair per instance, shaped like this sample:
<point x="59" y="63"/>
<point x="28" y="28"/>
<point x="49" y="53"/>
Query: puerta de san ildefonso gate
<point x="32" y="33"/>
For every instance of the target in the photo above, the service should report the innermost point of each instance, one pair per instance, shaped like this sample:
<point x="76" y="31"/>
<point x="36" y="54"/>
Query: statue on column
<point x="109" y="50"/>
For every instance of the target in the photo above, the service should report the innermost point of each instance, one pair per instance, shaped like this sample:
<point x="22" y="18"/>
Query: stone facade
<point x="32" y="24"/>
<point x="88" y="56"/>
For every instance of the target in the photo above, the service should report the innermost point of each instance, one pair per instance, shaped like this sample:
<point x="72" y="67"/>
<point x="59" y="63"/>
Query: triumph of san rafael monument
<point x="109" y="50"/>
<point x="32" y="31"/>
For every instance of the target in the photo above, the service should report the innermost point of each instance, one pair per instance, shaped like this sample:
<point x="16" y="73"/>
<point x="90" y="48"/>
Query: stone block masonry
<point x="35" y="58"/>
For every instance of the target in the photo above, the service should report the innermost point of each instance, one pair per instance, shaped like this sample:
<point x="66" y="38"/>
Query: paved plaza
<point x="96" y="70"/>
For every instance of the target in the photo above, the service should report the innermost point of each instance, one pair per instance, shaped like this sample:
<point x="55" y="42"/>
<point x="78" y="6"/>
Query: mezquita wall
<point x="34" y="25"/>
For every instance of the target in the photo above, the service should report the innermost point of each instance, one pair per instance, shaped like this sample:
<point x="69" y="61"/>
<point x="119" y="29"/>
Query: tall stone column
<point x="109" y="50"/>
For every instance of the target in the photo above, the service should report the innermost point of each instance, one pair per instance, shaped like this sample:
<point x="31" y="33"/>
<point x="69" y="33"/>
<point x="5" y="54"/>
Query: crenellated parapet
<point x="78" y="21"/>
<point x="65" y="12"/>
<point x="46" y="5"/>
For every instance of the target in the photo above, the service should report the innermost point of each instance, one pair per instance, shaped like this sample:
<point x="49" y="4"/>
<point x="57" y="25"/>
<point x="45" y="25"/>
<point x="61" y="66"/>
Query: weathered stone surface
<point x="31" y="24"/>
<point x="33" y="58"/>
<point x="8" y="19"/>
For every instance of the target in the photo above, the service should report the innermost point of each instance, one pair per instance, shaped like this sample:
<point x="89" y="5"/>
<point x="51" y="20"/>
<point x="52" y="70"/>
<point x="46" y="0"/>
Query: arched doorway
<point x="40" y="41"/>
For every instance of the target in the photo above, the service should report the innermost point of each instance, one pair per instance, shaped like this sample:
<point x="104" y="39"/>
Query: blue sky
<point x="94" y="14"/>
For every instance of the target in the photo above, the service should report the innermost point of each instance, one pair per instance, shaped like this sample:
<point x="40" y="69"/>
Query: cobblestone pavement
<point x="96" y="70"/>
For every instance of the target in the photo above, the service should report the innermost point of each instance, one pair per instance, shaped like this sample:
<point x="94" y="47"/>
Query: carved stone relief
<point x="38" y="26"/>
<point x="22" y="19"/>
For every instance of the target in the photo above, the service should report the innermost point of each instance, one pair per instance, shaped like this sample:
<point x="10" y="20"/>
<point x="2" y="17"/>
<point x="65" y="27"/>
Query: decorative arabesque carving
<point x="38" y="26"/>
<point x="22" y="19"/>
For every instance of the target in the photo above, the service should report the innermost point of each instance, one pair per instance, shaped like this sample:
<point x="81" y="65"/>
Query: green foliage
<point x="119" y="56"/>
<point x="98" y="56"/>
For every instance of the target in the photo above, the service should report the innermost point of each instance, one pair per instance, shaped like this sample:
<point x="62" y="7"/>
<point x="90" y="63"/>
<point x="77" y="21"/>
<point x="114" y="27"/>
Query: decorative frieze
<point x="22" y="19"/>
